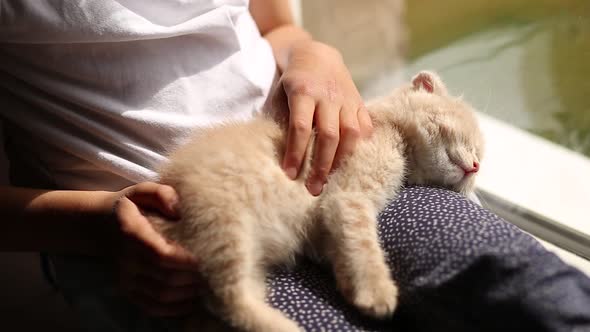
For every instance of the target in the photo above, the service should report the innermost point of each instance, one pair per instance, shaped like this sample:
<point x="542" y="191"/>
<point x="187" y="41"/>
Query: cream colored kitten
<point x="242" y="214"/>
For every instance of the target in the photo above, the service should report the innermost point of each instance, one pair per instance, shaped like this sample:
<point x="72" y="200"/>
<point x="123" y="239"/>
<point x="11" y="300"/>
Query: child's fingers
<point x="300" y="128"/>
<point x="159" y="197"/>
<point x="150" y="244"/>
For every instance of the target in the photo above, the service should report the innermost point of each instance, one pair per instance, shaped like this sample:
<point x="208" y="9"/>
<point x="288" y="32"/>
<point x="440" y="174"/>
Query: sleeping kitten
<point x="242" y="214"/>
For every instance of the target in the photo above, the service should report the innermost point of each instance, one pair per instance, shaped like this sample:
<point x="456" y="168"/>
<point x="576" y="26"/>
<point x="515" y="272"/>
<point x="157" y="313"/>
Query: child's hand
<point x="320" y="93"/>
<point x="158" y="276"/>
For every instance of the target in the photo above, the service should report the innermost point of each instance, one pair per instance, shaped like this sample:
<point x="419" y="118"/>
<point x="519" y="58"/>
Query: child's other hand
<point x="160" y="277"/>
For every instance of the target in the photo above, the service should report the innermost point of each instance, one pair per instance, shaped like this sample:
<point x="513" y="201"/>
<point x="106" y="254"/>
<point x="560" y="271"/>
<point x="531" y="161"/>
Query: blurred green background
<point x="526" y="62"/>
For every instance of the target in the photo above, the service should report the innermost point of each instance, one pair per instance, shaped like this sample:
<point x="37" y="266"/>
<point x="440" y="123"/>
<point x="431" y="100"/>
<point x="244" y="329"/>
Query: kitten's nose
<point x="474" y="169"/>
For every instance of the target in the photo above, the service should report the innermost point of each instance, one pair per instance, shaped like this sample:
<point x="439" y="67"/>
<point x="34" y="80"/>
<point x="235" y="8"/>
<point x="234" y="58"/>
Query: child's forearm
<point x="54" y="220"/>
<point x="275" y="22"/>
<point x="283" y="40"/>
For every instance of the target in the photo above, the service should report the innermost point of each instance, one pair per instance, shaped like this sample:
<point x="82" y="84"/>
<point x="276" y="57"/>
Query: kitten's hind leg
<point x="231" y="267"/>
<point x="356" y="256"/>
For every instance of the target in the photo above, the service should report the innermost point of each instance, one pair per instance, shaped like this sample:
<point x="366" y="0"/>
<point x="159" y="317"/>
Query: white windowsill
<point x="533" y="174"/>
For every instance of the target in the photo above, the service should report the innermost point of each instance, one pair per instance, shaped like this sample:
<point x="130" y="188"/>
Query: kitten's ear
<point x="429" y="82"/>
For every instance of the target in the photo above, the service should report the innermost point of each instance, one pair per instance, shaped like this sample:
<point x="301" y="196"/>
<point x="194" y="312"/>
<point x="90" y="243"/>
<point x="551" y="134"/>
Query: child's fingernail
<point x="315" y="188"/>
<point x="291" y="172"/>
<point x="173" y="207"/>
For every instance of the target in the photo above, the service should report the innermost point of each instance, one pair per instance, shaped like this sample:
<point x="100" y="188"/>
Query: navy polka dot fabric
<point x="459" y="268"/>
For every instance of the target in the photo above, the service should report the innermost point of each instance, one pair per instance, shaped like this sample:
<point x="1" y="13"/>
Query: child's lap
<point x="459" y="267"/>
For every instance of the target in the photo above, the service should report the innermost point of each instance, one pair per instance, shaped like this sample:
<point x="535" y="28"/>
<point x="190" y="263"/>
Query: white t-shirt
<point x="96" y="93"/>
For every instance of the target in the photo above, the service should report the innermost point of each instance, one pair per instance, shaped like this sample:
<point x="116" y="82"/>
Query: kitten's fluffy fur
<point x="242" y="214"/>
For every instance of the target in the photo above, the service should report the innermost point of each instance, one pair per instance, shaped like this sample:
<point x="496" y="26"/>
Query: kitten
<point x="242" y="214"/>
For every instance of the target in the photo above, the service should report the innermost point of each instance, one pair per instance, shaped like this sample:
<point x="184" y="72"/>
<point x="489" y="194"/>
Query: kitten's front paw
<point x="377" y="299"/>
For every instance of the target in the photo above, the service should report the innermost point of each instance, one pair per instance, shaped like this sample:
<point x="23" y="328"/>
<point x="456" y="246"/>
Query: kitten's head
<point x="445" y="145"/>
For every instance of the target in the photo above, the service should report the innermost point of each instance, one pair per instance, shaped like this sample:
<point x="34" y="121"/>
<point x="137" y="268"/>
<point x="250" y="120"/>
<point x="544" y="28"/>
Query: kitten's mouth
<point x="468" y="174"/>
<point x="463" y="178"/>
